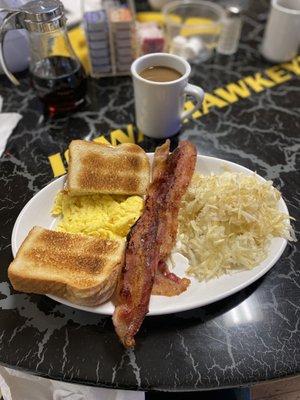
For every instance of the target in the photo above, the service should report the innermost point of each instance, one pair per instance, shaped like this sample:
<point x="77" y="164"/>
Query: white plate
<point x="37" y="212"/>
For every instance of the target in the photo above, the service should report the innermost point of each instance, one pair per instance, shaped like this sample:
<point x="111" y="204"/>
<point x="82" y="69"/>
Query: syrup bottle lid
<point x="43" y="15"/>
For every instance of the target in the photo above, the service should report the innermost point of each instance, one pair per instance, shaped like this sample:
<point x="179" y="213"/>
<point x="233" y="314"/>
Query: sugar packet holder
<point x="110" y="39"/>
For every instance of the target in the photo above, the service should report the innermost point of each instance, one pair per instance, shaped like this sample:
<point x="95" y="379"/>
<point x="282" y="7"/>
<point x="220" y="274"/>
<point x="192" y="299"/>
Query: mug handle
<point x="198" y="94"/>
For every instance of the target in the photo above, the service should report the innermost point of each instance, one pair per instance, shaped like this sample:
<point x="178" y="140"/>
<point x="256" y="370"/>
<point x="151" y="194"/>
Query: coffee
<point x="159" y="73"/>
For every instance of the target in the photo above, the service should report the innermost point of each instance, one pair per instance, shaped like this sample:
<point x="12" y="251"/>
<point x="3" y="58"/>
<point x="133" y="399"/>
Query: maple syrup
<point x="60" y="83"/>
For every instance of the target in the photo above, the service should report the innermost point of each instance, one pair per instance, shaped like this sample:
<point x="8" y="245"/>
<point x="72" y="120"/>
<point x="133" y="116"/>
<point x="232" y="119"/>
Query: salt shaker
<point x="231" y="31"/>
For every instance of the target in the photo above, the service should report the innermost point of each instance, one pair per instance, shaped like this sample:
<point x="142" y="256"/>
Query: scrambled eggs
<point x="106" y="216"/>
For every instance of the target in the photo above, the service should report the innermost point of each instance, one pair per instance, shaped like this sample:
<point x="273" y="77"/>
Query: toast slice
<point x="81" y="269"/>
<point x="99" y="168"/>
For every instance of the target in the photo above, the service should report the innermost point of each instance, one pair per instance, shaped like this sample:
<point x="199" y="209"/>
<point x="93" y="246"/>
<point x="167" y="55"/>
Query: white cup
<point x="282" y="35"/>
<point x="159" y="105"/>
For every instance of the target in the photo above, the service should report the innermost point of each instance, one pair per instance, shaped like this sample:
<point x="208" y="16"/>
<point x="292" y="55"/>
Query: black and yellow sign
<point x="219" y="98"/>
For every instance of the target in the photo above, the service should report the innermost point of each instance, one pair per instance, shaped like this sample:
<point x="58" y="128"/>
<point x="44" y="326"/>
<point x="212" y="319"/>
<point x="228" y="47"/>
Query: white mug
<point x="159" y="105"/>
<point x="282" y="35"/>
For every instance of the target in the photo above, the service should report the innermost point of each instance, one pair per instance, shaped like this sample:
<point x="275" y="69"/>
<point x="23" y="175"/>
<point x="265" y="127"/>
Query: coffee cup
<point x="159" y="104"/>
<point x="282" y="35"/>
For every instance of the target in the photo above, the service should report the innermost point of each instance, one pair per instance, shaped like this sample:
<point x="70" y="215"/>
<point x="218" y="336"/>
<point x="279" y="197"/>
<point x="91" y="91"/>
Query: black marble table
<point x="249" y="337"/>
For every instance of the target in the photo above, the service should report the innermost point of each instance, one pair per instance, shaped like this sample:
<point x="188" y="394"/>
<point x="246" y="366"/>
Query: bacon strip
<point x="166" y="283"/>
<point x="152" y="238"/>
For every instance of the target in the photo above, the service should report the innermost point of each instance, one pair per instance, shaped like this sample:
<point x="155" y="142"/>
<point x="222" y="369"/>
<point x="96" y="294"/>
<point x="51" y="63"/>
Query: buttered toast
<point x="99" y="168"/>
<point x="78" y="268"/>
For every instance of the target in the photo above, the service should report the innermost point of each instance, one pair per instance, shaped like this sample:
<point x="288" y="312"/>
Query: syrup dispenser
<point x="56" y="72"/>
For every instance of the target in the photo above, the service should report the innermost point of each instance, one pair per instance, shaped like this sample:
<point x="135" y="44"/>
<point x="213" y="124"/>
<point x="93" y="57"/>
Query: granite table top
<point x="251" y="117"/>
